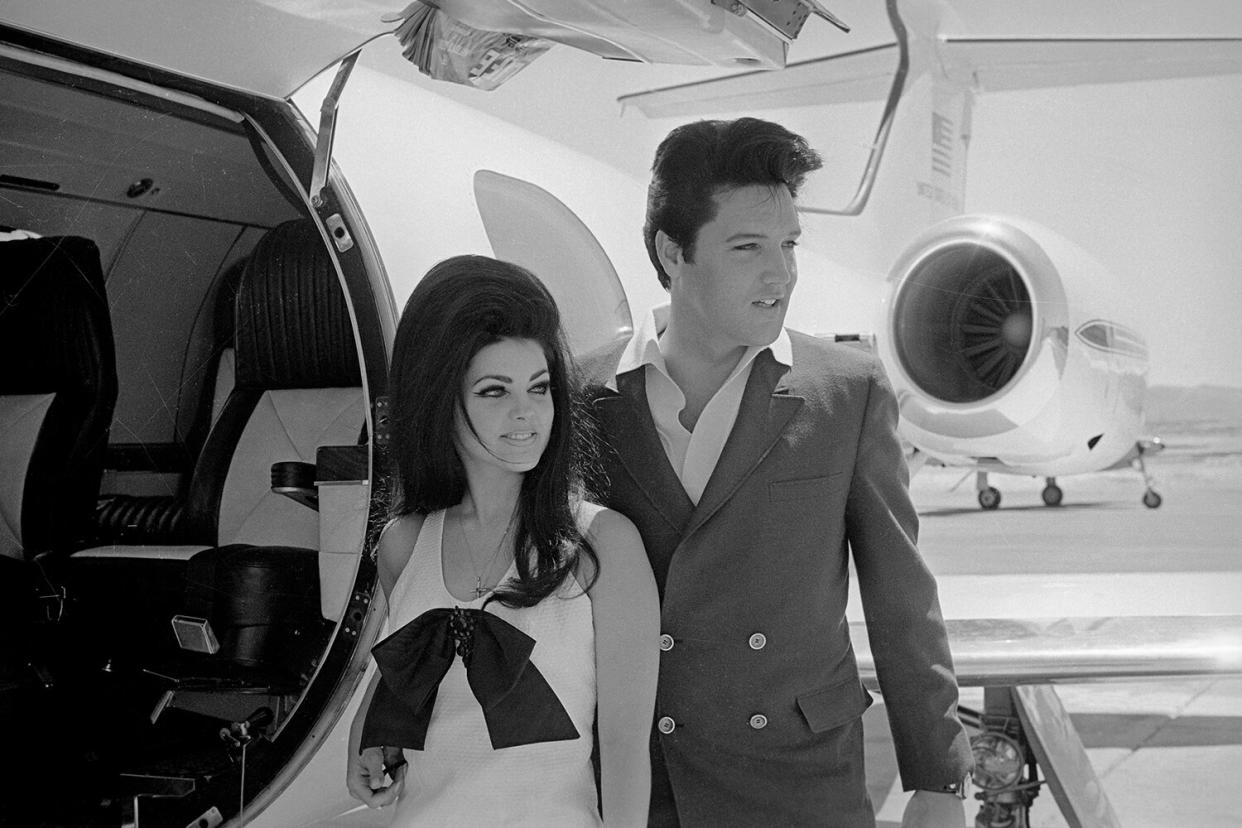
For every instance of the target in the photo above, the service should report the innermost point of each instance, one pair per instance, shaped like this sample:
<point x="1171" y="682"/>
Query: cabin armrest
<point x="334" y="464"/>
<point x="296" y="480"/>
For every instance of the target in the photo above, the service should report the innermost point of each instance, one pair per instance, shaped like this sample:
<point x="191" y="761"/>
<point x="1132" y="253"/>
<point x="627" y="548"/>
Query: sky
<point x="1146" y="176"/>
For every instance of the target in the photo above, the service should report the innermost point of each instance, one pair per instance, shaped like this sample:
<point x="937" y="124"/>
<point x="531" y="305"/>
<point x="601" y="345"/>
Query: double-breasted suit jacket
<point x="759" y="699"/>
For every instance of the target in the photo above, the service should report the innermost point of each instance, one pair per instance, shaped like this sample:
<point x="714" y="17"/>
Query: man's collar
<point x="644" y="346"/>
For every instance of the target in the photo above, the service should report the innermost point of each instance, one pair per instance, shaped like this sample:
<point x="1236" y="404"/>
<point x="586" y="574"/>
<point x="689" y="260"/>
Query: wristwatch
<point x="959" y="789"/>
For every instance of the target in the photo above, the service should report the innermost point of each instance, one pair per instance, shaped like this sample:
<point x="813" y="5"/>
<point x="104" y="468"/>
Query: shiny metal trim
<point x="1007" y="652"/>
<point x="84" y="70"/>
<point x="863" y="194"/>
<point x="327" y="129"/>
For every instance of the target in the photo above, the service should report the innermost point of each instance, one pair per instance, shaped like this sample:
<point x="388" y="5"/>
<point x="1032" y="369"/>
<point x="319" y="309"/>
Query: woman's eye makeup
<point x="487" y="387"/>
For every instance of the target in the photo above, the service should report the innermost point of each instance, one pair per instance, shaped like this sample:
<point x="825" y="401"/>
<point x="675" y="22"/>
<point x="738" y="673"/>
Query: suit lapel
<point x="632" y="433"/>
<point x="765" y="410"/>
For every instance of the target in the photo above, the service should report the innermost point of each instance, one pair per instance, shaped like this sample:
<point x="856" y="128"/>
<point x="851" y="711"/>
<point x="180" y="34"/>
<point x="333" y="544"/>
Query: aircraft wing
<point x="1009" y="652"/>
<point x="864" y="75"/>
<point x="1023" y="722"/>
<point x="1028" y="63"/>
<point x="992" y="64"/>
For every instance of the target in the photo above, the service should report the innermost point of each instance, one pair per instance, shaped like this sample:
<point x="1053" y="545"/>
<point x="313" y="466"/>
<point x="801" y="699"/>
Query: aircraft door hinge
<point x="327" y="129"/>
<point x="785" y="18"/>
<point x="339" y="232"/>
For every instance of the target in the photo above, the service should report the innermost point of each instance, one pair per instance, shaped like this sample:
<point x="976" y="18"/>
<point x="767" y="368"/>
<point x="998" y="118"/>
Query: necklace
<point x="480" y="590"/>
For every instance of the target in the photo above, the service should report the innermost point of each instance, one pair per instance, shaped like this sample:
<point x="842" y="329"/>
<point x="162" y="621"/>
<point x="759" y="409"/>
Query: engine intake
<point x="962" y="323"/>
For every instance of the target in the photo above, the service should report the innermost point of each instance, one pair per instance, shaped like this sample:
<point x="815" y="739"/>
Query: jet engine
<point x="1002" y="345"/>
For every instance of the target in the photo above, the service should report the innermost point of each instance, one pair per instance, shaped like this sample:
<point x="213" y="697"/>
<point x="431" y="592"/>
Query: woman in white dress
<point x="523" y="619"/>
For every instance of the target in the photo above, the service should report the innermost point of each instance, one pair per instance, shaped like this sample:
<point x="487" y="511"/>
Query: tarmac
<point x="1166" y="752"/>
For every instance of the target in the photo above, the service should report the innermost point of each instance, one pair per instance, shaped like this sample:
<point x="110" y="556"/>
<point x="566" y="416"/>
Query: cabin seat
<point x="58" y="388"/>
<point x="297" y="386"/>
<point x="129" y="519"/>
<point x="57" y="393"/>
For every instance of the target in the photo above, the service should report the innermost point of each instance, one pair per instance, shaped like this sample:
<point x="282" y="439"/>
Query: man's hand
<point x="928" y="809"/>
<point x="365" y="778"/>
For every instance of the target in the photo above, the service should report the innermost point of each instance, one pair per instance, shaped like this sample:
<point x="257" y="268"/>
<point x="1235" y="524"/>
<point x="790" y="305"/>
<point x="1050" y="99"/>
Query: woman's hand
<point x="366" y="773"/>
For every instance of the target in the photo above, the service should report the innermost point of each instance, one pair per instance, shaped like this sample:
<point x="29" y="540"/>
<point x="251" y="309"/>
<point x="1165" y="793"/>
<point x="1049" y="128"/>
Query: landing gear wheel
<point x="989" y="498"/>
<point x="1052" y="495"/>
<point x="1151" y="499"/>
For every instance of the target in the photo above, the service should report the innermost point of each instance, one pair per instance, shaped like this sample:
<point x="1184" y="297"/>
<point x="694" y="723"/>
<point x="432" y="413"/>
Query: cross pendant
<point x="479" y="590"/>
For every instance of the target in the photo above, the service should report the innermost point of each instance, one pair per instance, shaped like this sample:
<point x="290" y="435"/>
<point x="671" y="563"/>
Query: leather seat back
<point x="58" y="390"/>
<point x="297" y="386"/>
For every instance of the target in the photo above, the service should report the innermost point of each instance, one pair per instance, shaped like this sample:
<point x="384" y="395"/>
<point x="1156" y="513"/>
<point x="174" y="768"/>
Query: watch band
<point x="958" y="789"/>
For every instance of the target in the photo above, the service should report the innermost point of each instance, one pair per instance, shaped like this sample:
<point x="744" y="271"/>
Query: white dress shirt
<point x="692" y="454"/>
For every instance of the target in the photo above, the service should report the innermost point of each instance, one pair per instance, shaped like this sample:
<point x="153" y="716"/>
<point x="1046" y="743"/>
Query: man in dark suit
<point x="754" y="461"/>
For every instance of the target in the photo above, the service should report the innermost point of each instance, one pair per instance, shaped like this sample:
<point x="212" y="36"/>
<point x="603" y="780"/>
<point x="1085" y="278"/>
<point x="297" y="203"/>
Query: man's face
<point x="736" y="291"/>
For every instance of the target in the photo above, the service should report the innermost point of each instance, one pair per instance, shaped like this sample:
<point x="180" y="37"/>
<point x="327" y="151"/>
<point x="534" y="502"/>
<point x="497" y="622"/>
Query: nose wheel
<point x="1052" y="493"/>
<point x="1151" y="498"/>
<point x="989" y="496"/>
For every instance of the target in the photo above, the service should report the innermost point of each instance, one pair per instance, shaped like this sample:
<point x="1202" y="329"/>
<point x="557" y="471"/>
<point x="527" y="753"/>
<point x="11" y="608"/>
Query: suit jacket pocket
<point x="807" y="488"/>
<point x="834" y="705"/>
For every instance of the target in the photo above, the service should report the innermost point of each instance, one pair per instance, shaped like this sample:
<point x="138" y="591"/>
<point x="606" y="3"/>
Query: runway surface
<point x="1166" y="752"/>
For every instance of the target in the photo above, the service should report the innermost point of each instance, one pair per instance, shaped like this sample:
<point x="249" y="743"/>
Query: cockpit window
<point x="1108" y="336"/>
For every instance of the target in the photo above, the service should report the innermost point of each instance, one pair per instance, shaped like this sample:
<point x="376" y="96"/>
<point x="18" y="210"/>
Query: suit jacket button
<point x="666" y="642"/>
<point x="758" y="721"/>
<point x="758" y="641"/>
<point x="666" y="725"/>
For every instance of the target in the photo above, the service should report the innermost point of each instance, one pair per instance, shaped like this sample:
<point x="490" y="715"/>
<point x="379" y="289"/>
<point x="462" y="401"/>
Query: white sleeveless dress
<point x="458" y="778"/>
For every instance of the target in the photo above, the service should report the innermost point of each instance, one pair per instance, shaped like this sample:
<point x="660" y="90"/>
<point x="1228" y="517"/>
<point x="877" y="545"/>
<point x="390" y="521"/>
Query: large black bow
<point x="519" y="706"/>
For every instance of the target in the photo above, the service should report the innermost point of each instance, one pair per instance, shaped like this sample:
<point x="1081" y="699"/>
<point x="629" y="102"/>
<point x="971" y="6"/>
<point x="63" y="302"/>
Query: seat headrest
<point x="55" y="325"/>
<point x="292" y="324"/>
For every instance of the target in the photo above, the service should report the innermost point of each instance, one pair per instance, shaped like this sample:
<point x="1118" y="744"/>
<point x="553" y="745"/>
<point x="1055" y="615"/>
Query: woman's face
<point x="507" y="395"/>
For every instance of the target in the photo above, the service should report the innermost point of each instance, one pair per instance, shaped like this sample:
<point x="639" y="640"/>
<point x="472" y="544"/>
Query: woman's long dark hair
<point x="461" y="306"/>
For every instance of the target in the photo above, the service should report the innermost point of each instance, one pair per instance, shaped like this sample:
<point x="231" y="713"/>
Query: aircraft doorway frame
<point x="285" y="146"/>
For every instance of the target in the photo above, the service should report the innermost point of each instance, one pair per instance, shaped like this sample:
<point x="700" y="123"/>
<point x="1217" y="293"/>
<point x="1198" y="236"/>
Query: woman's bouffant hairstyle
<point x="695" y="161"/>
<point x="461" y="306"/>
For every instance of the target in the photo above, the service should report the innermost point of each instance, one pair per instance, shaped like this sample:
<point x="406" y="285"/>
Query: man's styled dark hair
<point x="461" y="306"/>
<point x="696" y="161"/>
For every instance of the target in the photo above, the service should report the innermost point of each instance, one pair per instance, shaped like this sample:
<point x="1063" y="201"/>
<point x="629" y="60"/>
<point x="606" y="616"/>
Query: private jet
<point x="198" y="310"/>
